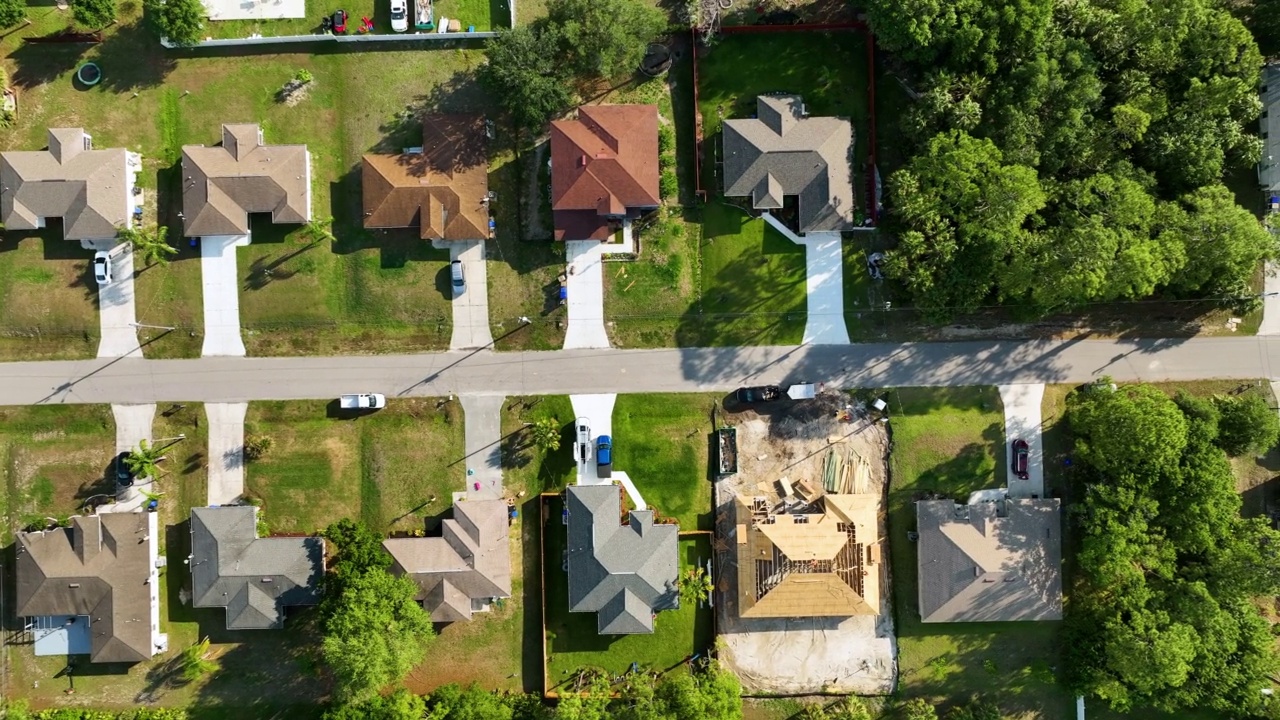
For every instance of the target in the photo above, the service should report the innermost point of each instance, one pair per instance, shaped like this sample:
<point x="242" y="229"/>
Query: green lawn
<point x="384" y="468"/>
<point x="661" y="442"/>
<point x="48" y="302"/>
<point x="525" y="467"/>
<point x="948" y="441"/>
<point x="485" y="15"/>
<point x="753" y="284"/>
<point x="572" y="640"/>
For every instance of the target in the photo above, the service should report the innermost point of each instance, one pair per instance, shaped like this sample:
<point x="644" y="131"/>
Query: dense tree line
<point x="534" y="69"/>
<point x="18" y="711"/>
<point x="1072" y="152"/>
<point x="1161" y="613"/>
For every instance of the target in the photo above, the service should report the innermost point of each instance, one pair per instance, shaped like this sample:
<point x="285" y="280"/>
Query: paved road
<point x="226" y="379"/>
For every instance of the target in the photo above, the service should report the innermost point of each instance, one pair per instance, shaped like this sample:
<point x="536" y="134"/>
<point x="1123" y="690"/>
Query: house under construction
<point x="819" y="559"/>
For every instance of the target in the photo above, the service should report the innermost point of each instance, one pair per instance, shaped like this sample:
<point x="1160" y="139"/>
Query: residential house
<point x="784" y="152"/>
<point x="254" y="578"/>
<point x="465" y="569"/>
<point x="604" y="169"/>
<point x="1269" y="129"/>
<point x="624" y="572"/>
<point x="441" y="187"/>
<point x="93" y="588"/>
<point x="92" y="191"/>
<point x="989" y="561"/>
<point x="824" y="561"/>
<point x="222" y="185"/>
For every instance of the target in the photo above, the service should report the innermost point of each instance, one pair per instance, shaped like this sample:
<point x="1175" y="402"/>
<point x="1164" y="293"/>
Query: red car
<point x="340" y="22"/>
<point x="1021" y="458"/>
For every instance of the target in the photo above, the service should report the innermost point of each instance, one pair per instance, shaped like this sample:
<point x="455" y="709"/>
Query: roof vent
<point x="73" y="585"/>
<point x="266" y="580"/>
<point x="582" y="161"/>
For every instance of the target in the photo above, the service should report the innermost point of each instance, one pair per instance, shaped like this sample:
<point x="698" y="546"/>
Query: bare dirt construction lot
<point x="801" y="655"/>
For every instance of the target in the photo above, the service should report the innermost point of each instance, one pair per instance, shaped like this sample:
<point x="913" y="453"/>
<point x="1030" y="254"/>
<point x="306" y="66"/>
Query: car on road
<point x="102" y="267"/>
<point x="758" y="394"/>
<point x="457" y="278"/>
<point x="1021" y="459"/>
<point x="604" y="456"/>
<point x="399" y="15"/>
<point x="582" y="440"/>
<point x="124" y="476"/>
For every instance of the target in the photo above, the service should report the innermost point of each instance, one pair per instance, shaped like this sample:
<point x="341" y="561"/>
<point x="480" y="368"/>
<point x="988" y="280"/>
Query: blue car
<point x="604" y="456"/>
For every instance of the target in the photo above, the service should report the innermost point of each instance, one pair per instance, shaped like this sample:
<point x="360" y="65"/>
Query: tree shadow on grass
<point x="132" y="59"/>
<point x="40" y="63"/>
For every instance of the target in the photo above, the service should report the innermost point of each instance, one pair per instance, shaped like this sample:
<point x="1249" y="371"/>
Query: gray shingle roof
<point x="625" y="573"/>
<point x="88" y="189"/>
<point x="781" y="152"/>
<point x="253" y="578"/>
<point x="989" y="562"/>
<point x="471" y="560"/>
<point x="221" y="185"/>
<point x="97" y="568"/>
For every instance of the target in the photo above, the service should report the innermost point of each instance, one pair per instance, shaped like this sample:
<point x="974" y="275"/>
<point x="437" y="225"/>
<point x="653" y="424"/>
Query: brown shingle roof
<point x="987" y="562"/>
<point x="783" y="152"/>
<point x="442" y="190"/>
<point x="821" y="564"/>
<point x="99" y="568"/>
<point x="471" y="560"/>
<point x="88" y="189"/>
<point x="604" y="164"/>
<point x="221" y="185"/>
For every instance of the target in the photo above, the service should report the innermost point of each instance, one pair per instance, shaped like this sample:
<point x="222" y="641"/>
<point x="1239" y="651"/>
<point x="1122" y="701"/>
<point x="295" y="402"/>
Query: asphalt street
<point x="482" y="372"/>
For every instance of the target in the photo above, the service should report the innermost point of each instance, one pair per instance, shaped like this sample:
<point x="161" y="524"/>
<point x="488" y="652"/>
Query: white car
<point x="582" y="440"/>
<point x="399" y="15"/>
<point x="102" y="267"/>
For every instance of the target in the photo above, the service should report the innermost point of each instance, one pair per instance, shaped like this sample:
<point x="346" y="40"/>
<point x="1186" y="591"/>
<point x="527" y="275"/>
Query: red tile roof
<point x="603" y="165"/>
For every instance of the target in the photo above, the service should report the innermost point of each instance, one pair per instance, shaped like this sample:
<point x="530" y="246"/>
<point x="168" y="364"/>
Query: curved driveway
<point x="225" y="379"/>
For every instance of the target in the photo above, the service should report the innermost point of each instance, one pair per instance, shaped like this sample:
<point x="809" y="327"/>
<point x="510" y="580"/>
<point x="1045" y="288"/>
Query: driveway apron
<point x="483" y="426"/>
<point x="471" y="307"/>
<point x="116" y="307"/>
<point x="221" y="295"/>
<point x="585" y="281"/>
<point x="226" y="451"/>
<point x="133" y="425"/>
<point x="824" y="284"/>
<point x="1022" y="420"/>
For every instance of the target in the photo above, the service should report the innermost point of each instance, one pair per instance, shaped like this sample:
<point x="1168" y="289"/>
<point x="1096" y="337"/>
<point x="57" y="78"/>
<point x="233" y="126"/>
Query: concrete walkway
<point x="483" y="423"/>
<point x="1022" y="420"/>
<point x="1271" y="302"/>
<point x="824" y="284"/>
<point x="221" y="295"/>
<point x="598" y="410"/>
<point x="226" y="451"/>
<point x="116" y="306"/>
<point x="471" y="308"/>
<point x="133" y="425"/>
<point x="585" y="280"/>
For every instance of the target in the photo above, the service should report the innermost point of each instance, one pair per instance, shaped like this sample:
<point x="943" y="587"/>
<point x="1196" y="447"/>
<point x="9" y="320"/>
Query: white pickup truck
<point x="362" y="401"/>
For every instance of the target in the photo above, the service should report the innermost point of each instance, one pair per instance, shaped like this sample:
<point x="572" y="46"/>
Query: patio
<point x="255" y="9"/>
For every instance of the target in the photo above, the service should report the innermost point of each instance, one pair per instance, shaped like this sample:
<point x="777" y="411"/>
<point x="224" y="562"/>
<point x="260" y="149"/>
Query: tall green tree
<point x="358" y="551"/>
<point x="604" y="38"/>
<point x="398" y="705"/>
<point x="1248" y="424"/>
<point x="12" y="12"/>
<point x="529" y="80"/>
<point x="375" y="634"/>
<point x="94" y="14"/>
<point x="181" y="22"/>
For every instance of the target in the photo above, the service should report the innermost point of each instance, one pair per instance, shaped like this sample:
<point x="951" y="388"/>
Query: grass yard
<point x="485" y="15"/>
<point x="753" y="284"/>
<point x="662" y="443"/>
<point x="948" y="441"/>
<point x="525" y="467"/>
<point x="384" y="468"/>
<point x="572" y="641"/>
<point x="48" y="302"/>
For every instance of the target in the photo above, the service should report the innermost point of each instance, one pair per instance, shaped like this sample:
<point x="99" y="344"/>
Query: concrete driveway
<point x="226" y="451"/>
<point x="471" y="307"/>
<point x="221" y="295"/>
<point x="133" y="424"/>
<point x="116" y="307"/>
<point x="586" y="295"/>
<point x="824" y="284"/>
<point x="483" y="426"/>
<point x="1022" y="420"/>
<point x="598" y="410"/>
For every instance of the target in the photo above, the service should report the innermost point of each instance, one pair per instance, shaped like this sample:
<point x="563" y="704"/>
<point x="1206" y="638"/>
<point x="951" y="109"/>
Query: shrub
<point x="668" y="185"/>
<point x="255" y="446"/>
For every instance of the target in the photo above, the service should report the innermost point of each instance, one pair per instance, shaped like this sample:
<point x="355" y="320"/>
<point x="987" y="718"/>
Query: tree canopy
<point x="94" y="14"/>
<point x="1161" y="615"/>
<point x="12" y="12"/>
<point x="604" y="38"/>
<point x="1101" y="131"/>
<point x="528" y="79"/>
<point x="179" y="21"/>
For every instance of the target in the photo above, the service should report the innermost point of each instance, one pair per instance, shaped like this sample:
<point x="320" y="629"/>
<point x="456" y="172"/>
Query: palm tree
<point x="150" y="244"/>
<point x="546" y="434"/>
<point x="319" y="230"/>
<point x="695" y="585"/>
<point x="143" y="460"/>
<point x="196" y="663"/>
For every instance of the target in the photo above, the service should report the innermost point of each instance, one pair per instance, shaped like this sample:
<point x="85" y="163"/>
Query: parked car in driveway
<point x="457" y="278"/>
<point x="124" y="476"/>
<point x="1021" y="459"/>
<point x="604" y="456"/>
<point x="102" y="267"/>
<point x="582" y="440"/>
<point x="399" y="15"/>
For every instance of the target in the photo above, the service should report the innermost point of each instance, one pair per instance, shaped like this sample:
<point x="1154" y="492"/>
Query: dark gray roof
<point x="783" y="152"/>
<point x="471" y="560"/>
<point x="253" y="578"/>
<point x="98" y="568"/>
<point x="991" y="561"/>
<point x="623" y="572"/>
